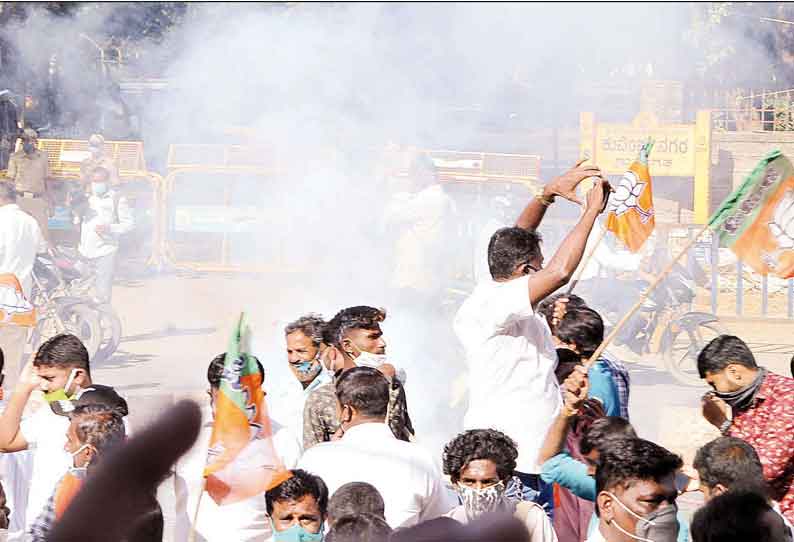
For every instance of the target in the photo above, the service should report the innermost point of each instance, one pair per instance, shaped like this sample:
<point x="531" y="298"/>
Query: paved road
<point x="173" y="325"/>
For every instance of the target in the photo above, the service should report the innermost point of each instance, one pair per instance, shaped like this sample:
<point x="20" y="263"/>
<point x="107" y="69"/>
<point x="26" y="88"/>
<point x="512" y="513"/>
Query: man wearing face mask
<point x="242" y="521"/>
<point x="28" y="169"/>
<point x="98" y="158"/>
<point x="95" y="427"/>
<point x="107" y="217"/>
<point x="480" y="464"/>
<point x="298" y="508"/>
<point x="305" y="347"/>
<point x="755" y="405"/>
<point x="356" y="339"/>
<point x="403" y="472"/>
<point x="636" y="493"/>
<point x="59" y="370"/>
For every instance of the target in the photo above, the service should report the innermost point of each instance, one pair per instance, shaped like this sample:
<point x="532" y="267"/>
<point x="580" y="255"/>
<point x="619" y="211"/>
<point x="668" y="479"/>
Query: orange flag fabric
<point x="631" y="214"/>
<point x="242" y="460"/>
<point x="757" y="221"/>
<point x="14" y="308"/>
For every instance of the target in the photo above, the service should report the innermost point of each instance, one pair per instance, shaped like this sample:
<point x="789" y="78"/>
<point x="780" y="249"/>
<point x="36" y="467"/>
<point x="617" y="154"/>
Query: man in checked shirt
<point x="755" y="405"/>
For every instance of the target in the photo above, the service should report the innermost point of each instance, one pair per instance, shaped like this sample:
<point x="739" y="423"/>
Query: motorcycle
<point x="62" y="286"/>
<point x="666" y="325"/>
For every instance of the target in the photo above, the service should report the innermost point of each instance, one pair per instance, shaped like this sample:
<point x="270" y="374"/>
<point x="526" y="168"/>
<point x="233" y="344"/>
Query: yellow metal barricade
<point x="204" y="219"/>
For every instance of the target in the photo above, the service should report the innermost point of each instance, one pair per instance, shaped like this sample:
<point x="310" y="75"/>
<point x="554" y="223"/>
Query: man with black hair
<point x="730" y="464"/>
<point x="481" y="465"/>
<point x="354" y="498"/>
<point x="360" y="527"/>
<point x="244" y="520"/>
<point x="356" y="338"/>
<point x="636" y="493"/>
<point x="298" y="508"/>
<point x="60" y="369"/>
<point x="738" y="516"/>
<point x="94" y="430"/>
<point x="509" y="350"/>
<point x="755" y="405"/>
<point x="403" y="472"/>
<point x="582" y="333"/>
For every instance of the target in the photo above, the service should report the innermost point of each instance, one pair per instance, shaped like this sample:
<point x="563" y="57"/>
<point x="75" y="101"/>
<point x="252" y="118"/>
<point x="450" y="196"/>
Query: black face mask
<point x="743" y="398"/>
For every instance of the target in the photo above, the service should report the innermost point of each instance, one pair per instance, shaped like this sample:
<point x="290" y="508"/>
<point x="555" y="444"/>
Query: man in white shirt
<point x="107" y="217"/>
<point x="305" y="346"/>
<point x="20" y="240"/>
<point x="509" y="348"/>
<point x="403" y="472"/>
<point x="244" y="521"/>
<point x="59" y="370"/>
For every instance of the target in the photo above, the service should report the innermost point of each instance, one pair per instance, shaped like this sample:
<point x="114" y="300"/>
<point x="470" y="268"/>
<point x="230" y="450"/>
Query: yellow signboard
<point x="615" y="146"/>
<point x="681" y="150"/>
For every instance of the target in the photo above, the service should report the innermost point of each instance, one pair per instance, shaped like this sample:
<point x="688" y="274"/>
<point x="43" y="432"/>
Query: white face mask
<point x="477" y="502"/>
<point x="661" y="525"/>
<point x="368" y="359"/>
<point x="99" y="189"/>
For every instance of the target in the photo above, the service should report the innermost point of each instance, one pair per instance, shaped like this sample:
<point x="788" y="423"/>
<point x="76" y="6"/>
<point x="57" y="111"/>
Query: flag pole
<point x="651" y="287"/>
<point x="586" y="260"/>
<point x="192" y="535"/>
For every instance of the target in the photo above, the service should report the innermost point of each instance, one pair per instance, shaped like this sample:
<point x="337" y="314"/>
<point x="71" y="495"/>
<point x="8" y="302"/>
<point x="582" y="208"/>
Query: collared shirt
<point x="620" y="375"/>
<point x="29" y="172"/>
<point x="511" y="357"/>
<point x="96" y="245"/>
<point x="320" y="421"/>
<point x="288" y="401"/>
<point x="244" y="521"/>
<point x="20" y="241"/>
<point x="403" y="472"/>
<point x="768" y="426"/>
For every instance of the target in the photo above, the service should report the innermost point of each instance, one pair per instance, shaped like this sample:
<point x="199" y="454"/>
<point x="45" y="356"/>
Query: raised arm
<point x="562" y="266"/>
<point x="574" y="389"/>
<point x="563" y="186"/>
<point x="11" y="439"/>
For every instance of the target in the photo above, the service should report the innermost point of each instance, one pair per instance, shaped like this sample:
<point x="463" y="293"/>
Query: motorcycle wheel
<point x="79" y="320"/>
<point x="111" y="333"/>
<point x="681" y="356"/>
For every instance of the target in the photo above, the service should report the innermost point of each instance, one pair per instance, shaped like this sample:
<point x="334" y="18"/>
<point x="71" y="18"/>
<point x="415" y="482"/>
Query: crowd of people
<point x="547" y="451"/>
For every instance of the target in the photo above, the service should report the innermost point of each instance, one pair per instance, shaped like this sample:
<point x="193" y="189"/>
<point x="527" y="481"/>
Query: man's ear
<point x="718" y="490"/>
<point x="605" y="504"/>
<point x="733" y="371"/>
<point x="347" y="346"/>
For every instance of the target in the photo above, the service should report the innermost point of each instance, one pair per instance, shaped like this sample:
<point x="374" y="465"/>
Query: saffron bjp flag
<point x="757" y="221"/>
<point x="14" y="308"/>
<point x="631" y="214"/>
<point x="242" y="460"/>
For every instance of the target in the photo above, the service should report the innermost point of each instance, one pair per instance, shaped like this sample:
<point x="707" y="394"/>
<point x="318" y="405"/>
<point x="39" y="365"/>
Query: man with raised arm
<point x="509" y="348"/>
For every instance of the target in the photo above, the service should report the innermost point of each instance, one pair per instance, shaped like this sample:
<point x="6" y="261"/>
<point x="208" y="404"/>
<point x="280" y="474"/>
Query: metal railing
<point x="763" y="111"/>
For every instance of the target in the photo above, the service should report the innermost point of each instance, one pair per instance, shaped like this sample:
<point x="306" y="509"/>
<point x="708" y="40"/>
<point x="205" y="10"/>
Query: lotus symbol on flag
<point x="782" y="228"/>
<point x="12" y="302"/>
<point x="627" y="196"/>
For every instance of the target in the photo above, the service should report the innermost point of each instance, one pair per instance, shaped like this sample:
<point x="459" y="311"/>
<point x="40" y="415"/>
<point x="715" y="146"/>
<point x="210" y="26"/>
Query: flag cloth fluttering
<point x="757" y="221"/>
<point x="14" y="308"/>
<point x="242" y="461"/>
<point x="631" y="213"/>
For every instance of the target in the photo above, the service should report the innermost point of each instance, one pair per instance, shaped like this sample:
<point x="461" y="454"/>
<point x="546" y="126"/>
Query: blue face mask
<point x="297" y="533"/>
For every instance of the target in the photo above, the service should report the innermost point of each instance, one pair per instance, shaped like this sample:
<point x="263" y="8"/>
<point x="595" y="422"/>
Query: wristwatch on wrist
<point x="725" y="426"/>
<point x="543" y="198"/>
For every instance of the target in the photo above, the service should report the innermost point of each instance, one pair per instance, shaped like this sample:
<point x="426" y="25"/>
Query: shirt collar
<point x="367" y="431"/>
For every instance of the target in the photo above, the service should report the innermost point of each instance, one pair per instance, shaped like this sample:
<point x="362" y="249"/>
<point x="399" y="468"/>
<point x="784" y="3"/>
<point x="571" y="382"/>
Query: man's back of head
<point x="354" y="498"/>
<point x="729" y="464"/>
<point x="359" y="527"/>
<point x="723" y="351"/>
<point x="739" y="516"/>
<point x="509" y="249"/>
<point x="363" y="395"/>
